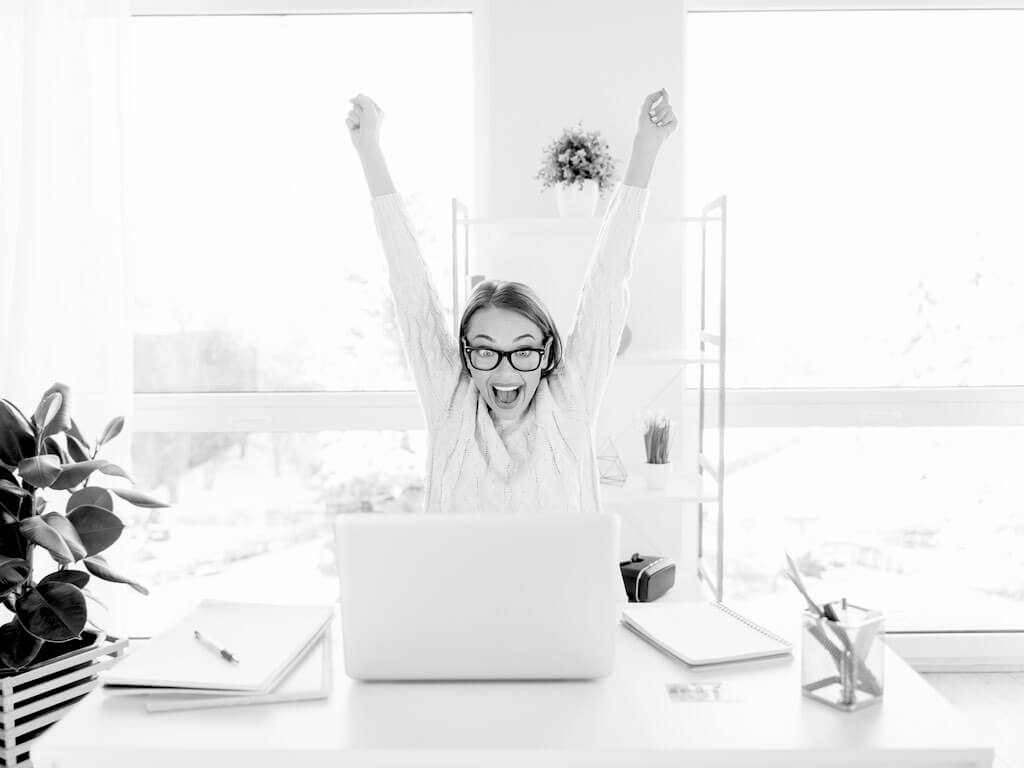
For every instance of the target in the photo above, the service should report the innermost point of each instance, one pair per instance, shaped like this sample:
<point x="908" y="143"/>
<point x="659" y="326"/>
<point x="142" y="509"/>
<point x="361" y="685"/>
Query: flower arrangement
<point x="657" y="432"/>
<point x="576" y="156"/>
<point x="48" y="450"/>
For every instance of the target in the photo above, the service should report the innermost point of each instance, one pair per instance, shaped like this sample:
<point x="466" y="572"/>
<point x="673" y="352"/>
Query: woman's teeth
<point x="506" y="395"/>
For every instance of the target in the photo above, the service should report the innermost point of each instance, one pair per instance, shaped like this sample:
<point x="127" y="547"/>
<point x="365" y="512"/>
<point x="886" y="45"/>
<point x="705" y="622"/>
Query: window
<point x="268" y="364"/>
<point x="871" y="161"/>
<point x="256" y="260"/>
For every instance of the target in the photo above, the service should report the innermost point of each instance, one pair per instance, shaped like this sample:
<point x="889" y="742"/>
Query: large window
<point x="872" y="164"/>
<point x="256" y="260"/>
<point x="261" y="287"/>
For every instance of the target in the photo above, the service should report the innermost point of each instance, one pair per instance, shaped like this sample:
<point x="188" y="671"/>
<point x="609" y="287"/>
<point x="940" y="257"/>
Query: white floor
<point x="994" y="702"/>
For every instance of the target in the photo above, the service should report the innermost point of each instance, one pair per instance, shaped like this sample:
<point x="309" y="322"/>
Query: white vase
<point x="657" y="475"/>
<point x="574" y="202"/>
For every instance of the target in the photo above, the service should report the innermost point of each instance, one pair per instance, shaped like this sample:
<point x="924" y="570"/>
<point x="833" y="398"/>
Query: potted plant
<point x="579" y="165"/>
<point x="49" y="625"/>
<point x="657" y="433"/>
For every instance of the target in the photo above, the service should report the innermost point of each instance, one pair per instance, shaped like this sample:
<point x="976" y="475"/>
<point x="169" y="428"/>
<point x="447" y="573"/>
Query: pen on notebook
<point x="213" y="645"/>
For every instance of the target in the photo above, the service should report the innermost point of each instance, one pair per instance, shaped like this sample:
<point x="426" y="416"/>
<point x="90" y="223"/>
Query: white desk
<point x="626" y="719"/>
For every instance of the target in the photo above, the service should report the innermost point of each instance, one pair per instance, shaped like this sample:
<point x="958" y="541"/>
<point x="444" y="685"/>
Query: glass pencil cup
<point x="842" y="661"/>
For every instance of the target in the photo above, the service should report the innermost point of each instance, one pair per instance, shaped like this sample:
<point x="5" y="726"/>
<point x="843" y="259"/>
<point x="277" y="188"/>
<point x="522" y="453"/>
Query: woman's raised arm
<point x="429" y="345"/>
<point x="604" y="301"/>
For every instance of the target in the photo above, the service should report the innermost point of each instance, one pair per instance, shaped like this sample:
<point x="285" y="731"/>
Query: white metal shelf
<point x="712" y="333"/>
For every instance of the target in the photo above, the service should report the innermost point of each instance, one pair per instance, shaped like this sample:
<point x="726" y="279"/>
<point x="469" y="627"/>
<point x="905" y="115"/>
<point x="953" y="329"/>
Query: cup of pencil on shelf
<point x="657" y="435"/>
<point x="842" y="650"/>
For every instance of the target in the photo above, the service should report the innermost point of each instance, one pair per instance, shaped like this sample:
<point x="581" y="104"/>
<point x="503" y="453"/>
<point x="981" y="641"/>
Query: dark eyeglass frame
<point x="502" y="354"/>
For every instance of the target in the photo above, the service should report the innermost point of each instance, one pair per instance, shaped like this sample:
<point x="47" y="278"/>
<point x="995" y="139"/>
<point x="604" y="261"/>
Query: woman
<point x="510" y="414"/>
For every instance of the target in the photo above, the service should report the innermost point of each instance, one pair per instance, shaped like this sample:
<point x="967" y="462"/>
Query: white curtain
<point x="64" y="277"/>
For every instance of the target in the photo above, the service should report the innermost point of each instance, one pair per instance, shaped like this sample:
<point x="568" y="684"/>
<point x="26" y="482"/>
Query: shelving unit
<point x="712" y="337"/>
<point x="710" y="469"/>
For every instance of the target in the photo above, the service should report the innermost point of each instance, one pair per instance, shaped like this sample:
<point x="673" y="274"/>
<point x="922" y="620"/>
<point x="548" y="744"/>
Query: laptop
<point x="478" y="597"/>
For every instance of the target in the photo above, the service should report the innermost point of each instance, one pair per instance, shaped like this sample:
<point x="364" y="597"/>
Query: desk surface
<point x="763" y="720"/>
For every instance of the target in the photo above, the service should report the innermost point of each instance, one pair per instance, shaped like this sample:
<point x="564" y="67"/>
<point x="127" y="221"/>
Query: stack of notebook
<point x="279" y="652"/>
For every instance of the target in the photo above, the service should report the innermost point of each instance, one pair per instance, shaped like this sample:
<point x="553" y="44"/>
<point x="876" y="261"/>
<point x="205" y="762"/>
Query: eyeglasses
<point x="523" y="359"/>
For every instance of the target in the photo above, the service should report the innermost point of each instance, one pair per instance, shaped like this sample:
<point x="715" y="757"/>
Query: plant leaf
<point x="78" y="578"/>
<point x="75" y="432"/>
<point x="38" y="531"/>
<point x="67" y="531"/>
<point x="77" y="449"/>
<point x="74" y="474"/>
<point x="17" y="647"/>
<point x="13" y="572"/>
<point x="17" y="440"/>
<point x="54" y="611"/>
<point x="138" y="498"/>
<point x="109" y="468"/>
<point x="9" y="487"/>
<point x="12" y="542"/>
<point x="28" y="506"/>
<point x="47" y="411"/>
<point x="60" y="421"/>
<point x="91" y="497"/>
<point x="112" y="430"/>
<point x="98" y="566"/>
<point x="40" y="471"/>
<point x="11" y="494"/>
<point x="97" y="527"/>
<point x="53" y="445"/>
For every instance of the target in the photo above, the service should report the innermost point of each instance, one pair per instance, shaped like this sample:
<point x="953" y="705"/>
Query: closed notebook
<point x="267" y="639"/>
<point x="700" y="633"/>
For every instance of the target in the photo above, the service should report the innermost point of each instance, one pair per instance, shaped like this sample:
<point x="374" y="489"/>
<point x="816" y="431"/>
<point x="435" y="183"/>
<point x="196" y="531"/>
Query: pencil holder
<point x="842" y="661"/>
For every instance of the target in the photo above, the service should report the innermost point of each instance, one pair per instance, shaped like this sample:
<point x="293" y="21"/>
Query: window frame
<point x="838" y="407"/>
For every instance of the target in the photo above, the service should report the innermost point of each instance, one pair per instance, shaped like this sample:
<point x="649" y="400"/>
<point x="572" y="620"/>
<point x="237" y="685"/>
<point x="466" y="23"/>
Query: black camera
<point x="647" y="577"/>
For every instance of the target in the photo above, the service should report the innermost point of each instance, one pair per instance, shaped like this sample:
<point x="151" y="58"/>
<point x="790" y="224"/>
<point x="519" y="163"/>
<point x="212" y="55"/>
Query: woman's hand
<point x="364" y="121"/>
<point x="657" y="121"/>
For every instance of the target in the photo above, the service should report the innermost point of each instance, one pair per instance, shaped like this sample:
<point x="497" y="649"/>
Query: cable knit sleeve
<point x="604" y="301"/>
<point x="429" y="346"/>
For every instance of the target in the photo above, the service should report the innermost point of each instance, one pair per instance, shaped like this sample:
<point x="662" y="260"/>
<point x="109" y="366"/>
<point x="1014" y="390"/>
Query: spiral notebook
<point x="701" y="633"/>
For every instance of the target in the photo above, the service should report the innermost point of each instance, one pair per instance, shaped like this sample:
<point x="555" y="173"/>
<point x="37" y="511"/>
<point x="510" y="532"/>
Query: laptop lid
<point x="456" y="597"/>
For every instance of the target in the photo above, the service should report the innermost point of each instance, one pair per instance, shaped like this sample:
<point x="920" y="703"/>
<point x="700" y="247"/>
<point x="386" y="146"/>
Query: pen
<point x="213" y="645"/>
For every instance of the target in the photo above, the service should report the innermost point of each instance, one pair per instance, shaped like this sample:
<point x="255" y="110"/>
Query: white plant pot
<point x="40" y="694"/>
<point x="657" y="475"/>
<point x="574" y="202"/>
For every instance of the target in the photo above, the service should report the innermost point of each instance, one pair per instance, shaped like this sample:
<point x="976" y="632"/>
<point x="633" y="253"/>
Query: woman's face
<point x="506" y="390"/>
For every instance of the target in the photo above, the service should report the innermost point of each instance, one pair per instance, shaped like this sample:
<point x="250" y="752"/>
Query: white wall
<point x="543" y="65"/>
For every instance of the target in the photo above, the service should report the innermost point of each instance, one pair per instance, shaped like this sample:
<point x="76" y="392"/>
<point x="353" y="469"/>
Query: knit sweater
<point x="544" y="462"/>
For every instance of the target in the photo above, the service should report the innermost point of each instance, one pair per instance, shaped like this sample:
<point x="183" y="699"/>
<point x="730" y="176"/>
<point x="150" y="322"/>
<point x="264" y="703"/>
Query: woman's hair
<point x="517" y="297"/>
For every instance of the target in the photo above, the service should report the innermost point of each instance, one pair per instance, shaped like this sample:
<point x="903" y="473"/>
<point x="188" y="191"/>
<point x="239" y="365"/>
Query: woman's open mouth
<point x="506" y="396"/>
